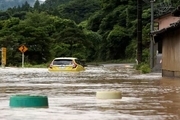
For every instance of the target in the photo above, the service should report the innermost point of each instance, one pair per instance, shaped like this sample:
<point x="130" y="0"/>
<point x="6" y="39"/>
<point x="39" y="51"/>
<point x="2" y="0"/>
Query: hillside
<point x="93" y="30"/>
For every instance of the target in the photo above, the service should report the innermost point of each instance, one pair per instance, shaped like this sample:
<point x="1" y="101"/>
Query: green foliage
<point x="11" y="22"/>
<point x="131" y="51"/>
<point x="109" y="5"/>
<point x="117" y="40"/>
<point x="94" y="21"/>
<point x="93" y="48"/>
<point x="107" y="31"/>
<point x="144" y="68"/>
<point x="74" y="37"/>
<point x="20" y="15"/>
<point x="79" y="10"/>
<point x="28" y="65"/>
<point x="4" y="15"/>
<point x="83" y="24"/>
<point x="37" y="5"/>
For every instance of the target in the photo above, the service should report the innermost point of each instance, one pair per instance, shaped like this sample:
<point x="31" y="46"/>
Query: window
<point x="62" y="62"/>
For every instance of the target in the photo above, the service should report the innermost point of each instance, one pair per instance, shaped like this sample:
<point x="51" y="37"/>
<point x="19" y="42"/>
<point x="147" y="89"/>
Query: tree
<point x="26" y="6"/>
<point x="117" y="41"/>
<point x="79" y="10"/>
<point x="4" y="15"/>
<point x="94" y="44"/>
<point x="73" y="41"/>
<point x="35" y="35"/>
<point x="37" y="5"/>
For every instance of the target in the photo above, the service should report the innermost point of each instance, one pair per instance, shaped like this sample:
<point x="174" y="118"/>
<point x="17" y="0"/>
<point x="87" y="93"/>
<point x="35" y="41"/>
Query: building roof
<point x="176" y="12"/>
<point x="172" y="26"/>
<point x="162" y="15"/>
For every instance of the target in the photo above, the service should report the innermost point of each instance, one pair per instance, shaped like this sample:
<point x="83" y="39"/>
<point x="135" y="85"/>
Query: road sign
<point x="23" y="48"/>
<point x="3" y="54"/>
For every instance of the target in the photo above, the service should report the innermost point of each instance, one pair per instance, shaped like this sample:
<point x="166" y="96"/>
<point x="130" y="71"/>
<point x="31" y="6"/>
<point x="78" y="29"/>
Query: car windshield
<point x="62" y="62"/>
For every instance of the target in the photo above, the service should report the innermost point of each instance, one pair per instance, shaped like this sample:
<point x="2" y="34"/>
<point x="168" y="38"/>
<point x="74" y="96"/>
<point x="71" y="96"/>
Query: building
<point x="167" y="41"/>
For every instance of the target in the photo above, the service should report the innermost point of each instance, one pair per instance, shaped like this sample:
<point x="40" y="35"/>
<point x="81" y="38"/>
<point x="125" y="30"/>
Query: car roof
<point x="65" y="58"/>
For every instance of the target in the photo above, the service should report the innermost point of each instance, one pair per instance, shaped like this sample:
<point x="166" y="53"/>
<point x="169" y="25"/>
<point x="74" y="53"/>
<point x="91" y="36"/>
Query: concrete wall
<point x="158" y="64"/>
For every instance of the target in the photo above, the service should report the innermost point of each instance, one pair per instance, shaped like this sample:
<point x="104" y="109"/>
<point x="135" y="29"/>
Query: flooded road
<point x="72" y="96"/>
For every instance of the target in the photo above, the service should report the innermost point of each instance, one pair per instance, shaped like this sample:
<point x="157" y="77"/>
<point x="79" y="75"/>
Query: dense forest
<point x="94" y="30"/>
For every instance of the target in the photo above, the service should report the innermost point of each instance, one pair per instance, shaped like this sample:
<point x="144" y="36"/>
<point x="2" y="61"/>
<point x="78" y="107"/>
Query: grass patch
<point x="119" y="61"/>
<point x="36" y="66"/>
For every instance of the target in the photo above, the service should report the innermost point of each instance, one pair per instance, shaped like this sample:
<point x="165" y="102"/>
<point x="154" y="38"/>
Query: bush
<point x="144" y="68"/>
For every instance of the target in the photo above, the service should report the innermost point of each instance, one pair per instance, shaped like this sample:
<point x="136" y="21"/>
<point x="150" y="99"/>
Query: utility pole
<point x="152" y="37"/>
<point x="139" y="31"/>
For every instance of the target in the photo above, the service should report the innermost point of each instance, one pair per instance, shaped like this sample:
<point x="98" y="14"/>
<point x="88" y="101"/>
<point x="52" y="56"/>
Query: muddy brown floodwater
<point x="72" y="95"/>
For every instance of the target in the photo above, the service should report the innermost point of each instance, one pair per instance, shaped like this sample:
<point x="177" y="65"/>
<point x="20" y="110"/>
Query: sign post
<point x="3" y="57"/>
<point x="23" y="49"/>
<point x="22" y="60"/>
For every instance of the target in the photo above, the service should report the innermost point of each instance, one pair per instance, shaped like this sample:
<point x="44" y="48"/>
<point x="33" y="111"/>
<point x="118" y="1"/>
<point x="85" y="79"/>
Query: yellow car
<point x="66" y="64"/>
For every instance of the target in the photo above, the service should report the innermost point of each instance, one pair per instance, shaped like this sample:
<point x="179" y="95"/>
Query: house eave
<point x="164" y="30"/>
<point x="176" y="12"/>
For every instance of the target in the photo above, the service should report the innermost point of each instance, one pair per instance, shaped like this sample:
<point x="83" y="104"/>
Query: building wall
<point x="171" y="53"/>
<point x="166" y="20"/>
